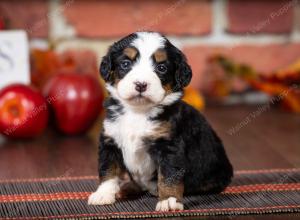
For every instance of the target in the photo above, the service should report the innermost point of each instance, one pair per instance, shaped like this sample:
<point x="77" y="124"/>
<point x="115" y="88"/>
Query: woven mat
<point x="251" y="192"/>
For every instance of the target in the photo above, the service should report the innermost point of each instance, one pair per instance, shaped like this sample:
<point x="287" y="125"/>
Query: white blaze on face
<point x="143" y="69"/>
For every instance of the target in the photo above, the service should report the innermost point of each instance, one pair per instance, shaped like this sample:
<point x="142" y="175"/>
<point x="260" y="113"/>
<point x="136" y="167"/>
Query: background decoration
<point x="14" y="57"/>
<point x="283" y="85"/>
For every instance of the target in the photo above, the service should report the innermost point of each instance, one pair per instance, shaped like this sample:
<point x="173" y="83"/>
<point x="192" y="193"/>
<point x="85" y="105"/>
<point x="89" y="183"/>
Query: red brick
<point x="297" y="17"/>
<point x="31" y="15"/>
<point x="260" y="16"/>
<point x="264" y="59"/>
<point x="117" y="18"/>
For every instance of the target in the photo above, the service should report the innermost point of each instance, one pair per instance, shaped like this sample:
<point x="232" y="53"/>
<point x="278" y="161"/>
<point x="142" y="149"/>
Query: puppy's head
<point x="145" y="69"/>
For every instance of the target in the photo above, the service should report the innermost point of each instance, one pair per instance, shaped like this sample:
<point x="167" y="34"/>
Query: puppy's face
<point x="145" y="69"/>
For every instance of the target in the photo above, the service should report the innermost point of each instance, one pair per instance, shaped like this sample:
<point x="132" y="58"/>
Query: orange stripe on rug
<point x="262" y="187"/>
<point x="44" y="197"/>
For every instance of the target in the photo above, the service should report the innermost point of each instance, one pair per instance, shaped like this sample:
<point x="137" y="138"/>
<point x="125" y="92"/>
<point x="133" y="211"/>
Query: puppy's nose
<point x="140" y="86"/>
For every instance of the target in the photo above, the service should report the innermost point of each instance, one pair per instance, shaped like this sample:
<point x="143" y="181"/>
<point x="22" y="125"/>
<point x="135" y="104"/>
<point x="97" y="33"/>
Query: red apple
<point x="76" y="100"/>
<point x="2" y="26"/>
<point x="23" y="112"/>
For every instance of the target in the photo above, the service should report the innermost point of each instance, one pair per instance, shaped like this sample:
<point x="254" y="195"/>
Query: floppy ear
<point x="106" y="68"/>
<point x="183" y="73"/>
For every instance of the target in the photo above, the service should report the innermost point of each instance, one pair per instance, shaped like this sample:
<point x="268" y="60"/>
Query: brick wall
<point x="263" y="33"/>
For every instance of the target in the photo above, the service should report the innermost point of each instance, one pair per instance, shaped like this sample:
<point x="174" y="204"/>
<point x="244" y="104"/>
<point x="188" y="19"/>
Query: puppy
<point x="163" y="144"/>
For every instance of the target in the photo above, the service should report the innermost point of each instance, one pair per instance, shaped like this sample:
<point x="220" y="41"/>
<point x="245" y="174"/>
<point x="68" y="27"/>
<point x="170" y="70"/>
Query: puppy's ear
<point x="183" y="73"/>
<point x="106" y="68"/>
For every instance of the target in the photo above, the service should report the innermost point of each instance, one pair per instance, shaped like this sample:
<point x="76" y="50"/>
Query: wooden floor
<point x="254" y="137"/>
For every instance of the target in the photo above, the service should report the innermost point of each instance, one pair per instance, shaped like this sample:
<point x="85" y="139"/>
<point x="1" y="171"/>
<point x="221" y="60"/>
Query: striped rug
<point x="251" y="192"/>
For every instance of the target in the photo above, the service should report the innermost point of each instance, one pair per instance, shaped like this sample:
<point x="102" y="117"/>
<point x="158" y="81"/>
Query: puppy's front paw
<point x="169" y="204"/>
<point x="106" y="193"/>
<point x="99" y="198"/>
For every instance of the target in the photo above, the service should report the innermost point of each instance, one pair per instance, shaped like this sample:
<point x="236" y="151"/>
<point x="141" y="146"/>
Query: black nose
<point x="140" y="86"/>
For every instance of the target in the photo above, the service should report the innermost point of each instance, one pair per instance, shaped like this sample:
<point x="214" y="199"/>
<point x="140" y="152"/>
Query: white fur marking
<point x="106" y="193"/>
<point x="169" y="204"/>
<point x="148" y="42"/>
<point x="128" y="130"/>
<point x="171" y="98"/>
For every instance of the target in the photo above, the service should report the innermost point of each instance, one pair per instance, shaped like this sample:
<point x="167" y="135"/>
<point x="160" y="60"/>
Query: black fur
<point x="194" y="153"/>
<point x="109" y="154"/>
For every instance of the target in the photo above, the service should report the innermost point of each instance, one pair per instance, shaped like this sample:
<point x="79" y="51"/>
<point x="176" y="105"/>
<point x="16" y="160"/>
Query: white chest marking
<point x="128" y="131"/>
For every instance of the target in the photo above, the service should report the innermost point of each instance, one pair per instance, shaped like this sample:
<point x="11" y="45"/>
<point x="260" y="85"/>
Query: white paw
<point x="98" y="198"/>
<point x="106" y="193"/>
<point x="169" y="204"/>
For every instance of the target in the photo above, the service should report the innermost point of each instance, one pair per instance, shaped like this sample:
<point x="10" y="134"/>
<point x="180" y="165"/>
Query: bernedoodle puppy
<point x="164" y="145"/>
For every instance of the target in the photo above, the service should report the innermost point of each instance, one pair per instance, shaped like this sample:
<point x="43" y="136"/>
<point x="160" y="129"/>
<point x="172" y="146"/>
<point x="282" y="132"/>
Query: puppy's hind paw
<point x="169" y="204"/>
<point x="98" y="198"/>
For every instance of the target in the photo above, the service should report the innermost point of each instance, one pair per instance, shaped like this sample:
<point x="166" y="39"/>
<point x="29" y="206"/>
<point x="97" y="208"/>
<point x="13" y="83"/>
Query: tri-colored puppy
<point x="165" y="145"/>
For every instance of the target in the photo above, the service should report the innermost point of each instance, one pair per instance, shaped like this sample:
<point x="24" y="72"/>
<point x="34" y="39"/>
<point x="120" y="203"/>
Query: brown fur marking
<point x="163" y="131"/>
<point x="130" y="52"/>
<point x="112" y="172"/>
<point x="166" y="189"/>
<point x="160" y="55"/>
<point x="167" y="88"/>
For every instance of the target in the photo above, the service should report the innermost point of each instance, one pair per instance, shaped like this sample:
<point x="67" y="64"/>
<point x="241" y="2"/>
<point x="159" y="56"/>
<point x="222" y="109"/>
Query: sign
<point x="14" y="58"/>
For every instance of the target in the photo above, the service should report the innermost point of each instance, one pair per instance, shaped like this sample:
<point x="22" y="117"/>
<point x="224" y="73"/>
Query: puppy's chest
<point x="129" y="131"/>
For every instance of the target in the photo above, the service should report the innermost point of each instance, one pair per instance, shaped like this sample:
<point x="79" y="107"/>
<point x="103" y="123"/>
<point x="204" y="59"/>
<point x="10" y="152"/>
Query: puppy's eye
<point x="161" y="68"/>
<point x="125" y="64"/>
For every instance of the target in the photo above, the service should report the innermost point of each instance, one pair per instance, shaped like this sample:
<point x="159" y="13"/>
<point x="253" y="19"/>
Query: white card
<point x="14" y="58"/>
